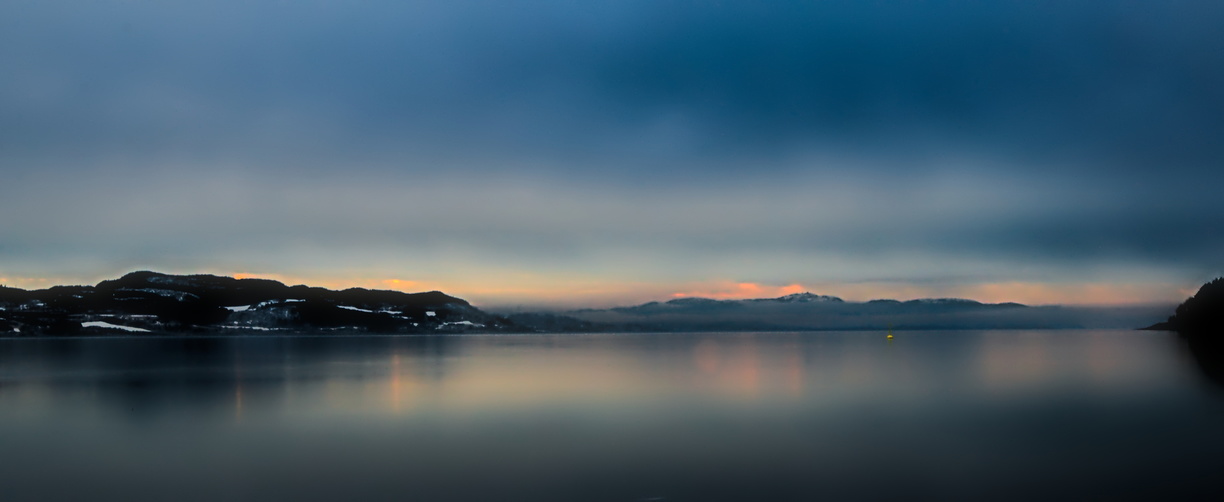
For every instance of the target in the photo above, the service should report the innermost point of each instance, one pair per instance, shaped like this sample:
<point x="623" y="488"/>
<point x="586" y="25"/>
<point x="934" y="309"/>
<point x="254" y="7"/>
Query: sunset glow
<point x="619" y="153"/>
<point x="622" y="250"/>
<point x="556" y="292"/>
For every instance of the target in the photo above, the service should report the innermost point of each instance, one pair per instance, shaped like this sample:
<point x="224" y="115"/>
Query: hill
<point x="151" y="302"/>
<point x="1201" y="315"/>
<point x="156" y="303"/>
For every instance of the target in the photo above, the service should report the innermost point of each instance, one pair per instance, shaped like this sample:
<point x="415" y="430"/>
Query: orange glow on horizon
<point x="545" y="291"/>
<point x="1029" y="293"/>
<point x="741" y="291"/>
<point x="35" y="282"/>
<point x="340" y="284"/>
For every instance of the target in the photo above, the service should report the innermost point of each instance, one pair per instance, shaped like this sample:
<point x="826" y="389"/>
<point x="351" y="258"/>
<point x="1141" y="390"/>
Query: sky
<point x="530" y="153"/>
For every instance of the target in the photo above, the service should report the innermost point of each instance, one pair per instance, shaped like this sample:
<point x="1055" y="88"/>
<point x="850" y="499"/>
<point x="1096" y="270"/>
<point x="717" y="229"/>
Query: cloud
<point x="434" y="228"/>
<point x="741" y="290"/>
<point x="616" y="89"/>
<point x="630" y="142"/>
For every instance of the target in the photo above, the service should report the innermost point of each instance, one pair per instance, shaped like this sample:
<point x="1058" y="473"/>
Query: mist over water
<point x="707" y="416"/>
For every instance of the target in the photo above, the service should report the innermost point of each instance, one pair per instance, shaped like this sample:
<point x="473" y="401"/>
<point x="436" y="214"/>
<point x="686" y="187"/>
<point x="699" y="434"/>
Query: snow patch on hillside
<point x="462" y="323"/>
<point x="104" y="324"/>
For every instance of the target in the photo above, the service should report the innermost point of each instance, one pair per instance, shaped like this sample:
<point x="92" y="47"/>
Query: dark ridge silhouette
<point x="1201" y="315"/>
<point x="1199" y="322"/>
<point x="152" y="302"/>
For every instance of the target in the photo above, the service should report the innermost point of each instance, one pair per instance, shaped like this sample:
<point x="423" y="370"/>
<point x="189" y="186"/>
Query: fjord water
<point x="713" y="416"/>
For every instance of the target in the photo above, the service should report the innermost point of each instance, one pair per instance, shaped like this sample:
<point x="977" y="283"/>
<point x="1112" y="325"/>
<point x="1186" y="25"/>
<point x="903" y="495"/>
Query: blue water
<point x="967" y="415"/>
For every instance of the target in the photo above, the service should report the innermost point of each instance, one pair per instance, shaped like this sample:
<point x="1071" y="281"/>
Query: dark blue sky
<point x="544" y="151"/>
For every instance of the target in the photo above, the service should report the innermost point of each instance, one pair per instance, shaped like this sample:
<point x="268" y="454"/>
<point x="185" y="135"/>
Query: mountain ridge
<point x="1201" y="316"/>
<point x="809" y="311"/>
<point x="146" y="301"/>
<point x="158" y="303"/>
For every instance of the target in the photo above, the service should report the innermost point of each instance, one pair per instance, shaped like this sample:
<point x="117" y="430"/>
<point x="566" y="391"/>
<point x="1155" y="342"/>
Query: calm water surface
<point x="971" y="415"/>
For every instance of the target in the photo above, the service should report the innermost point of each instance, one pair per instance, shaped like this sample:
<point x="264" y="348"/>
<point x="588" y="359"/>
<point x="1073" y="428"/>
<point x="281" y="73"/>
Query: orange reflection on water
<point x="1107" y="361"/>
<point x="794" y="371"/>
<point x="507" y="373"/>
<point x="396" y="385"/>
<point x="733" y="370"/>
<point x="495" y="376"/>
<point x="1013" y="362"/>
<point x="743" y="369"/>
<point x="707" y="356"/>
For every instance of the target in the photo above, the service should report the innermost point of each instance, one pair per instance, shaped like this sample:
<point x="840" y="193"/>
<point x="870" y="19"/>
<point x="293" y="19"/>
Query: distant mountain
<point x="155" y="303"/>
<point x="800" y="298"/>
<point x="152" y="302"/>
<point x="808" y="311"/>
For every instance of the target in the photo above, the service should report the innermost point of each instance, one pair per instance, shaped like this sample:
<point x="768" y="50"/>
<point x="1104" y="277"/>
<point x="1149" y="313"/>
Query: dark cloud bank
<point x="1057" y="134"/>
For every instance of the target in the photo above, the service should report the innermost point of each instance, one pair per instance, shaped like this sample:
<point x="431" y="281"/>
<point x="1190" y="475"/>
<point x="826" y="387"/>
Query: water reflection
<point x="765" y="416"/>
<point x="1207" y="354"/>
<point x="142" y="377"/>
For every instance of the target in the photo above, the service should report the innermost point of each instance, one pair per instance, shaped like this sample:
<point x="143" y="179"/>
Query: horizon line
<point x="738" y="291"/>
